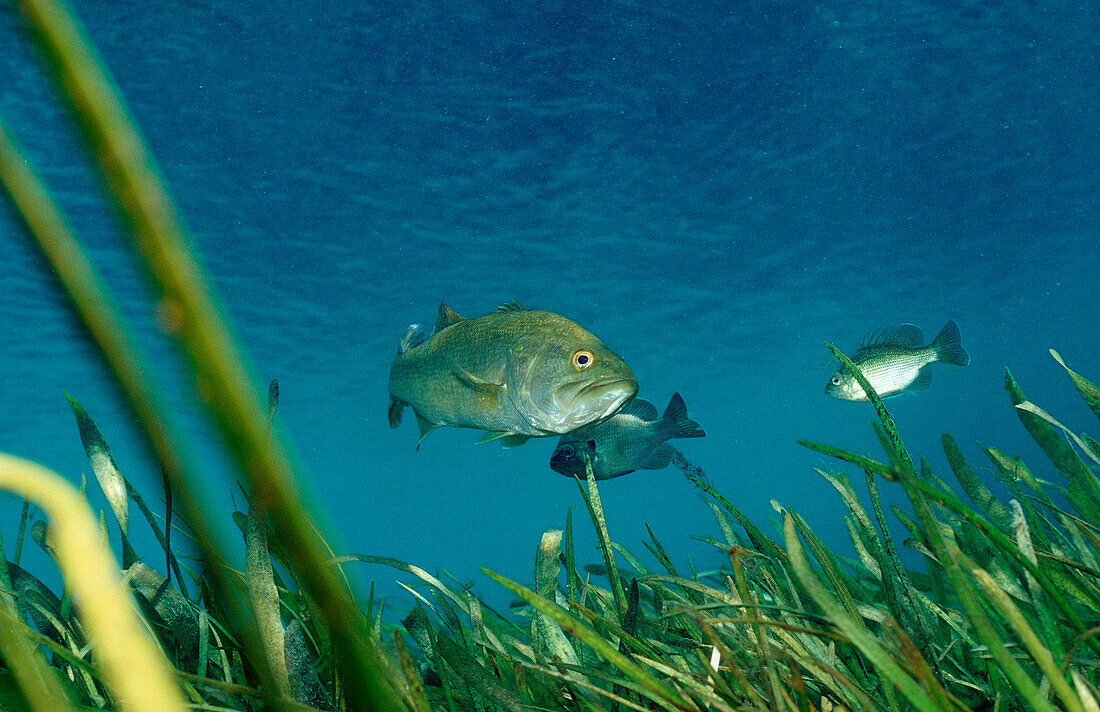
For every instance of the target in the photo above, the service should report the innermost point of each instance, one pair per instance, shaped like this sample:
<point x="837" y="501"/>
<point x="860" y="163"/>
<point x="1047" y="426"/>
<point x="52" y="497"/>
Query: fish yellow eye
<point x="582" y="360"/>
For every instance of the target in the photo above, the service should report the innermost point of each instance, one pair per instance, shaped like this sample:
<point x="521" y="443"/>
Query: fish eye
<point x="835" y="380"/>
<point x="567" y="451"/>
<point x="582" y="360"/>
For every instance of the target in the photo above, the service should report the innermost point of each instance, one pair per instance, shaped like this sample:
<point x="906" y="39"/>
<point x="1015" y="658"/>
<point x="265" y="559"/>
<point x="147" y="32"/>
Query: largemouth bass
<point x="515" y="373"/>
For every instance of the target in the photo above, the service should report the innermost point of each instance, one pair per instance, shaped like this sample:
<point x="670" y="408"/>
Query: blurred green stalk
<point x="188" y="312"/>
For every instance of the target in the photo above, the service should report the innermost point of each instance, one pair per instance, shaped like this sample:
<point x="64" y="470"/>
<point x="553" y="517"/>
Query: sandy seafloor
<point x="713" y="190"/>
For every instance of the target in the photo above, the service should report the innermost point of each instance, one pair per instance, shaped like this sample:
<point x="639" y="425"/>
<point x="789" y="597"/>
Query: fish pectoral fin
<point x="425" y="426"/>
<point x="659" y="459"/>
<point x="488" y="393"/>
<point x="493" y="435"/>
<point x="922" y="381"/>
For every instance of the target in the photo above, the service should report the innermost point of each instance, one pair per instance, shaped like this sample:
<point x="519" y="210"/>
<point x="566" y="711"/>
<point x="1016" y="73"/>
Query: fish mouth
<point x="609" y="394"/>
<point x="602" y="383"/>
<point x="579" y="405"/>
<point x="560" y="464"/>
<point x="625" y="388"/>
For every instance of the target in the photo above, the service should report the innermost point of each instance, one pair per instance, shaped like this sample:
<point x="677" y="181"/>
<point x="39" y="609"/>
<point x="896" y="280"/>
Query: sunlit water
<point x="713" y="193"/>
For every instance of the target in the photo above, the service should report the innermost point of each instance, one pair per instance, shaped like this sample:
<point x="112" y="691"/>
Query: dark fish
<point x="515" y="373"/>
<point x="634" y="438"/>
<point x="894" y="362"/>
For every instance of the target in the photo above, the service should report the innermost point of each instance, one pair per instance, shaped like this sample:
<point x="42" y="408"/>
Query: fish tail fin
<point x="948" y="343"/>
<point x="677" y="420"/>
<point x="414" y="336"/>
<point x="394" y="411"/>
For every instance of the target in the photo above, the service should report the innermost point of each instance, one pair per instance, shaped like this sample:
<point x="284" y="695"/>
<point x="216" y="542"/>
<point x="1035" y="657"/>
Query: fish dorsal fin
<point x="447" y="316"/>
<point x="640" y="408"/>
<point x="904" y="335"/>
<point x="512" y="306"/>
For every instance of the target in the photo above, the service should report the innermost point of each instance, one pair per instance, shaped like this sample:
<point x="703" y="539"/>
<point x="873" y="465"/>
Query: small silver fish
<point x="634" y="438"/>
<point x="894" y="362"/>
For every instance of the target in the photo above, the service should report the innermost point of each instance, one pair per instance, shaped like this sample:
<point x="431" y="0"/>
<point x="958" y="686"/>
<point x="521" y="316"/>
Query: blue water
<point x="713" y="192"/>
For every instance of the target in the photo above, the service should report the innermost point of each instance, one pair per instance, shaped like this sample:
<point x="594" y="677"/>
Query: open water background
<point x="714" y="189"/>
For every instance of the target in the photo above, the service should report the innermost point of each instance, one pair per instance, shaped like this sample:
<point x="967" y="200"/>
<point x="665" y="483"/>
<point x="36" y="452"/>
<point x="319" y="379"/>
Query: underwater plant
<point x="1004" y="616"/>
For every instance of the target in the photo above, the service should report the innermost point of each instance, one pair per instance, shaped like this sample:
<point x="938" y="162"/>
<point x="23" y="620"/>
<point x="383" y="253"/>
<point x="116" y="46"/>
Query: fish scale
<point x="892" y="370"/>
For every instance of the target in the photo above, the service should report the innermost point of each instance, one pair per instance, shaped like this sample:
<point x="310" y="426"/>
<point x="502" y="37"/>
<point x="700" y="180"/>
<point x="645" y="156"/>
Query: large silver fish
<point x="632" y="439"/>
<point x="894" y="362"/>
<point x="515" y="373"/>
